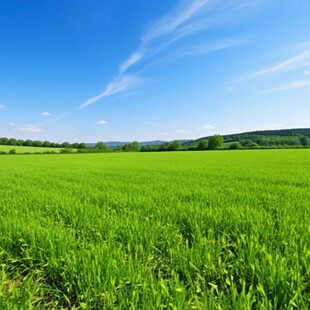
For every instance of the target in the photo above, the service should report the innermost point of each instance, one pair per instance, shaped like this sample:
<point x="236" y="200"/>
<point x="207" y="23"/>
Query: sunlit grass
<point x="28" y="149"/>
<point x="178" y="230"/>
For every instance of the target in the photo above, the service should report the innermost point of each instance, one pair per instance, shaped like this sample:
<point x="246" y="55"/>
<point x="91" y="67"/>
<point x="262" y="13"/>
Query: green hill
<point x="262" y="137"/>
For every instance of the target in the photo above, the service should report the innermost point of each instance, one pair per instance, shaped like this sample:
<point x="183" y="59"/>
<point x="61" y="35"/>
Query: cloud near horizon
<point x="30" y="128"/>
<point x="102" y="122"/>
<point x="206" y="127"/>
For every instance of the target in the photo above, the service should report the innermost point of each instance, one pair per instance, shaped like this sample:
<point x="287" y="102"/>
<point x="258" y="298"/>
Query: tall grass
<point x="179" y="230"/>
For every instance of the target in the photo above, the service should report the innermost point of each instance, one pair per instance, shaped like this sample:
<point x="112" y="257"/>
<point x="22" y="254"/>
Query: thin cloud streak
<point x="172" y="21"/>
<point x="295" y="61"/>
<point x="168" y="24"/>
<point x="134" y="58"/>
<point x="120" y="84"/>
<point x="187" y="19"/>
<point x="288" y="86"/>
<point x="198" y="51"/>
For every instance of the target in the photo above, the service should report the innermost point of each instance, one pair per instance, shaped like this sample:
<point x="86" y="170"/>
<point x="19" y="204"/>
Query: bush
<point x="12" y="151"/>
<point x="2" y="152"/>
<point x="66" y="151"/>
<point x="236" y="146"/>
<point x="252" y="145"/>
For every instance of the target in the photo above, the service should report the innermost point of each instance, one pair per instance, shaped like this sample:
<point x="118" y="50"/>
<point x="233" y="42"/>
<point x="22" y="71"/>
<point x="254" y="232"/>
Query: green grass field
<point x="178" y="230"/>
<point x="30" y="149"/>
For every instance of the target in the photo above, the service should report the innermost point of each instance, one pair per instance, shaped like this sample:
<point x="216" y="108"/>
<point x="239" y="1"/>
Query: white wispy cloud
<point x="174" y="20"/>
<point x="306" y="72"/>
<point x="206" y="127"/>
<point x="135" y="57"/>
<point x="198" y="50"/>
<point x="181" y="131"/>
<point x="2" y="106"/>
<point x="298" y="60"/>
<point x="102" y="122"/>
<point x="46" y="113"/>
<point x="120" y="84"/>
<point x="164" y="134"/>
<point x="292" y="85"/>
<point x="190" y="16"/>
<point x="30" y="128"/>
<point x="288" y="86"/>
<point x="11" y="124"/>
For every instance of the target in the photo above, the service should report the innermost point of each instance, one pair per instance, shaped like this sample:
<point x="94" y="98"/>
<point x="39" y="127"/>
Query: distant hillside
<point x="255" y="135"/>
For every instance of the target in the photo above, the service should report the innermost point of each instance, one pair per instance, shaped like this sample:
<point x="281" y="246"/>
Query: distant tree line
<point x="213" y="143"/>
<point x="240" y="141"/>
<point x="38" y="143"/>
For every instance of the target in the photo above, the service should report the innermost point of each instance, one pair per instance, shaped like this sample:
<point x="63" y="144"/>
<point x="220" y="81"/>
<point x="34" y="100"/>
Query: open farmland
<point x="178" y="230"/>
<point x="28" y="149"/>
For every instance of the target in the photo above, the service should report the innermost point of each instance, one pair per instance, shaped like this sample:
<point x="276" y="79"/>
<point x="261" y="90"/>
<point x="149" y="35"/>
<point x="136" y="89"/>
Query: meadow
<point x="28" y="149"/>
<point x="169" y="230"/>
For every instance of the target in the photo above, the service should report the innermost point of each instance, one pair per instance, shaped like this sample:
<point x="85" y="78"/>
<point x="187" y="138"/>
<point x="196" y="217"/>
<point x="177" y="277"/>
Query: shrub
<point x="235" y="146"/>
<point x="12" y="151"/>
<point x="66" y="151"/>
<point x="252" y="145"/>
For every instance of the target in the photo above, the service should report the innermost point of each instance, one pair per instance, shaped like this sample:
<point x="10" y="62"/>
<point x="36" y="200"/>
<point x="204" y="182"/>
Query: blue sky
<point x="105" y="70"/>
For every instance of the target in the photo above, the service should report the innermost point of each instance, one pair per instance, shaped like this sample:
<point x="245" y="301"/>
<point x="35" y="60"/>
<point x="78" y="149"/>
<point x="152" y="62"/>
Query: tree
<point x="131" y="147"/>
<point x="4" y="141"/>
<point x="12" y="141"/>
<point x="203" y="145"/>
<point x="75" y="145"/>
<point x="28" y="143"/>
<point x="82" y="146"/>
<point x="47" y="144"/>
<point x="305" y="141"/>
<point x="101" y="146"/>
<point x="65" y="145"/>
<point x="37" y="143"/>
<point x="175" y="146"/>
<point x="215" y="142"/>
